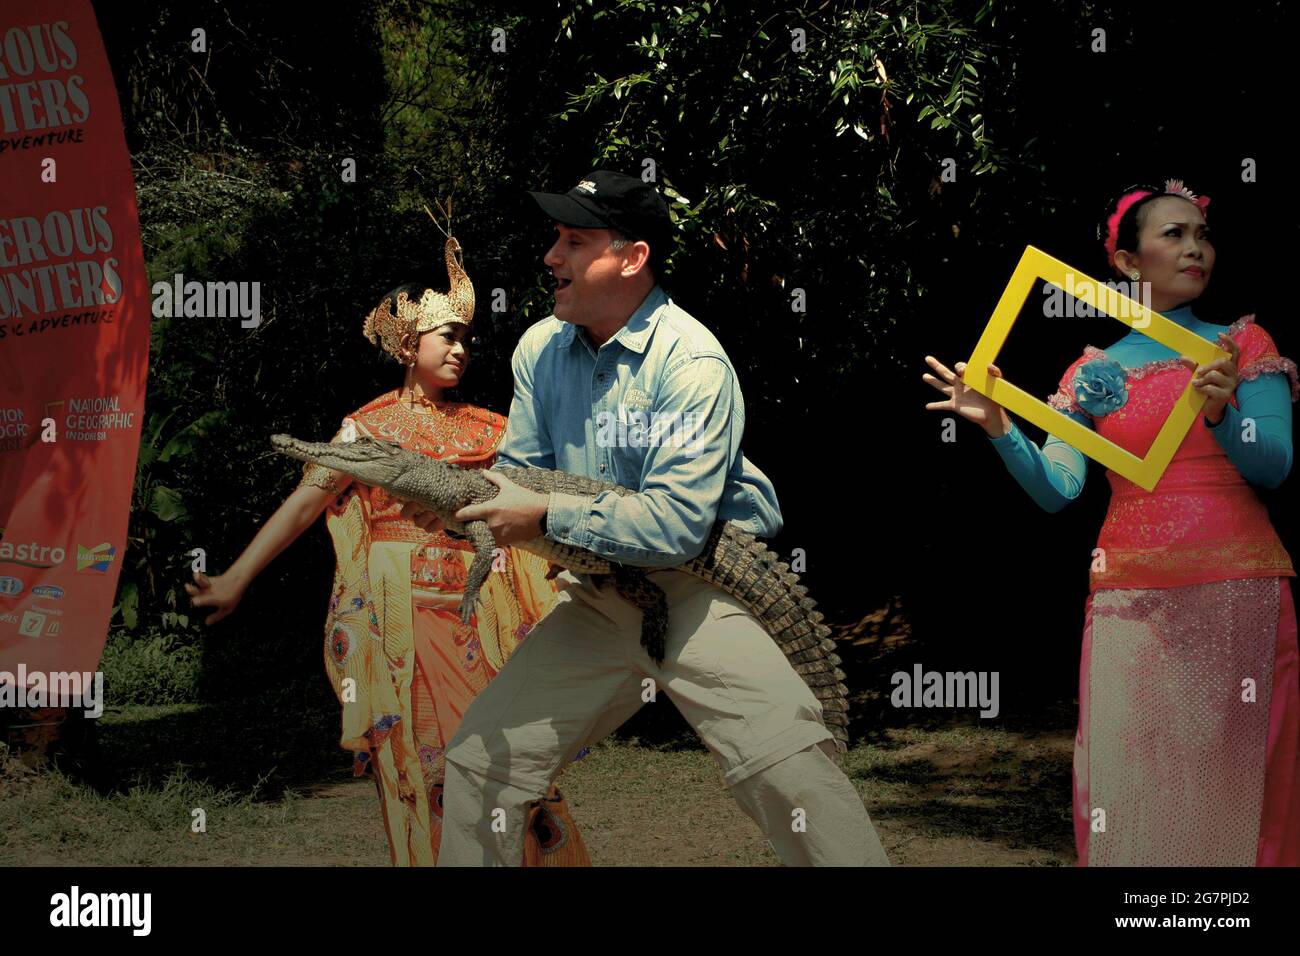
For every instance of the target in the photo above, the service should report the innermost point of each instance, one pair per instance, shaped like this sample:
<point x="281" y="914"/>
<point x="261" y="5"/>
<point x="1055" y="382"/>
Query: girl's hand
<point x="1217" y="380"/>
<point x="221" y="591"/>
<point x="965" y="401"/>
<point x="425" y="520"/>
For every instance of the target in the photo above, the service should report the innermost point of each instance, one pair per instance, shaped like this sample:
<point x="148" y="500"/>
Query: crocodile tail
<point x="748" y="570"/>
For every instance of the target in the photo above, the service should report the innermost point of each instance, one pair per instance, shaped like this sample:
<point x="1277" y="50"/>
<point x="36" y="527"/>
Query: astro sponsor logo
<point x="97" y="558"/>
<point x="51" y="591"/>
<point x="10" y="586"/>
<point x="31" y="555"/>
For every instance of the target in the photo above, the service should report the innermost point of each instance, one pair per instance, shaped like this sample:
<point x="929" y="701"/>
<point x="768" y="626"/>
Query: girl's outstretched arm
<point x="224" y="591"/>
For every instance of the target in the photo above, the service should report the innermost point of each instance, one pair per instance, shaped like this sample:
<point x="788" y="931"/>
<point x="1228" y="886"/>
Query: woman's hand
<point x="964" y="400"/>
<point x="221" y="591"/>
<point x="1217" y="380"/>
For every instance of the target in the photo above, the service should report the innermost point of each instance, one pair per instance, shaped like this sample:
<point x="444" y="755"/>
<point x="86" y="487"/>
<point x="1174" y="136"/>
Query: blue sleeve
<point x="1053" y="475"/>
<point x="668" y="521"/>
<point x="527" y="442"/>
<point x="1257" y="436"/>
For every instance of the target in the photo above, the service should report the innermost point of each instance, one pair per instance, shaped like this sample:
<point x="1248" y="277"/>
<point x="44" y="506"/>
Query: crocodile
<point x="732" y="559"/>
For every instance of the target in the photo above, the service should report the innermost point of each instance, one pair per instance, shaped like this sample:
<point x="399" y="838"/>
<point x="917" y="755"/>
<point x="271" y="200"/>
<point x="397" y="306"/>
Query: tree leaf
<point x="130" y="605"/>
<point x="166" y="503"/>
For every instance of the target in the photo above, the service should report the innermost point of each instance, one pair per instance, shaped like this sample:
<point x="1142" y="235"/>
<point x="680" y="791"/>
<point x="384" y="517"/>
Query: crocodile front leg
<point x="633" y="586"/>
<point x="484" y="544"/>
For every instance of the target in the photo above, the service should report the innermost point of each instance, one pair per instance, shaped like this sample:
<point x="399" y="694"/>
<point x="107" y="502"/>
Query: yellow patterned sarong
<point x="402" y="664"/>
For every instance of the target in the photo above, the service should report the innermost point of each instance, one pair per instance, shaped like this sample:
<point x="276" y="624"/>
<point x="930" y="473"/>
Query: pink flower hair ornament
<point x="1173" y="187"/>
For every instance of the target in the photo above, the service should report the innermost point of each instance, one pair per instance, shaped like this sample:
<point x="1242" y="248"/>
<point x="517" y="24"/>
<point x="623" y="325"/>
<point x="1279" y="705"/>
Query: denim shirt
<point x="657" y="409"/>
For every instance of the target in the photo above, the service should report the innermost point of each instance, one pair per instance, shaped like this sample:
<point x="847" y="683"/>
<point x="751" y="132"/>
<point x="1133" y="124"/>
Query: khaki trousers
<point x="582" y="672"/>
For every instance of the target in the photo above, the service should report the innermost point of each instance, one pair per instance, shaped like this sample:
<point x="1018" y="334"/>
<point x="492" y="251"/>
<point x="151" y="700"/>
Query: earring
<point x="409" y="385"/>
<point x="1135" y="275"/>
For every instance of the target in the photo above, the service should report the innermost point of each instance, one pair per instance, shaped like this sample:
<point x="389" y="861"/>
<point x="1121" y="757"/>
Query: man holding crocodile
<point x="615" y="344"/>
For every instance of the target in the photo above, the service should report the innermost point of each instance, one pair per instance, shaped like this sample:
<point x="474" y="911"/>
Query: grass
<point x="964" y="795"/>
<point x="943" y="789"/>
<point x="970" y="796"/>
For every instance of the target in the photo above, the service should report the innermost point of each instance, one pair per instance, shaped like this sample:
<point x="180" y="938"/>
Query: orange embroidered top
<point x="452" y="431"/>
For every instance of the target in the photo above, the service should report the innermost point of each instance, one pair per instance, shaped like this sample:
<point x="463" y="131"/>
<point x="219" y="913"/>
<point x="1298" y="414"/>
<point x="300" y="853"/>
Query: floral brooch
<point x="1100" y="387"/>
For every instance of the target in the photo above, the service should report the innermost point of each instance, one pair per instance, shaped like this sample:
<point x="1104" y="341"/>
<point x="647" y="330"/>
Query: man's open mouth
<point x="562" y="283"/>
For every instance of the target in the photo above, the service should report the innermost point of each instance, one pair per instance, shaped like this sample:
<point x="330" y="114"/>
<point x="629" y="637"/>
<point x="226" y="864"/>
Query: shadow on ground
<point x="277" y="743"/>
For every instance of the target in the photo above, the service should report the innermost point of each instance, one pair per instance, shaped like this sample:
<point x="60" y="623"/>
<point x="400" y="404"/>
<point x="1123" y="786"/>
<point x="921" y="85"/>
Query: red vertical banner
<point x="74" y="337"/>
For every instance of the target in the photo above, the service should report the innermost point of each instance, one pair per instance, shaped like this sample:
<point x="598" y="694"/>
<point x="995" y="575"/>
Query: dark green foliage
<point x="819" y="170"/>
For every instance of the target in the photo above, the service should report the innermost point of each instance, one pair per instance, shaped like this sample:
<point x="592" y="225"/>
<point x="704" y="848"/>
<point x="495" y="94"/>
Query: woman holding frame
<point x="1188" y="744"/>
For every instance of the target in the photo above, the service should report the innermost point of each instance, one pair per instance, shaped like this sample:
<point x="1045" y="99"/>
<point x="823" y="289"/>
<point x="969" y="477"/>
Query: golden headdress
<point x="396" y="323"/>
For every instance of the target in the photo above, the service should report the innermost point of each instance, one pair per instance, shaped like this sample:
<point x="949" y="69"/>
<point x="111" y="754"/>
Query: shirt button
<point x="600" y="377"/>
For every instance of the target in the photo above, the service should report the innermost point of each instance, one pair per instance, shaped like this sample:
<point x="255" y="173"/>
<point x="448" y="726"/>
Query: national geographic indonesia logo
<point x="13" y="429"/>
<point x="89" y="418"/>
<point x="92" y="417"/>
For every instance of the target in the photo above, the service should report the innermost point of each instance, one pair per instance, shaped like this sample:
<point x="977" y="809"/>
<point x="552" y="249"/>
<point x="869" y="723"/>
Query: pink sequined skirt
<point x="1189" y="718"/>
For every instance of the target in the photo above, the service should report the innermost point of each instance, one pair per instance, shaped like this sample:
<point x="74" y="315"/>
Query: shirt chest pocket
<point x="632" y="443"/>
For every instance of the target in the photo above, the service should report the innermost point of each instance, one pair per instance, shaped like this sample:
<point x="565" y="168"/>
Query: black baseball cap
<point x="609" y="200"/>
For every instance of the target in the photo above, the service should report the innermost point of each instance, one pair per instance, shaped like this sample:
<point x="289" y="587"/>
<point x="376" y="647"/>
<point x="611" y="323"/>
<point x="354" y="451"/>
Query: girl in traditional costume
<point x="1189" y="717"/>
<point x="403" y="665"/>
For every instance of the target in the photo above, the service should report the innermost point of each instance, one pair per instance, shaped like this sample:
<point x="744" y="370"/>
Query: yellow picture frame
<point x="1036" y="264"/>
